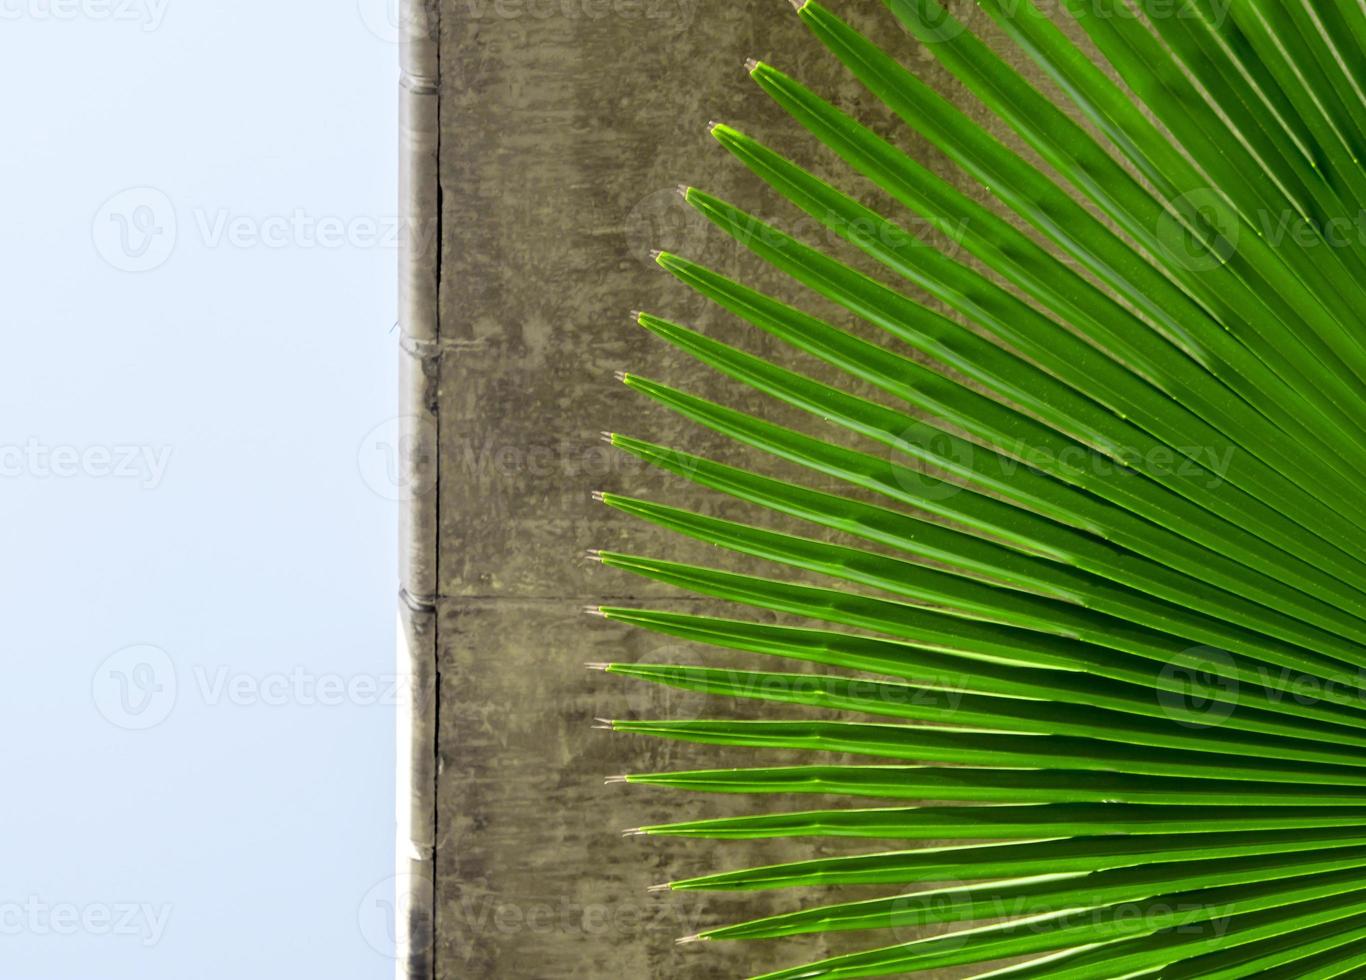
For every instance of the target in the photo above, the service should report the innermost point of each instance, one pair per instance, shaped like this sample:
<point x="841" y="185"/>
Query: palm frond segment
<point x="1076" y="577"/>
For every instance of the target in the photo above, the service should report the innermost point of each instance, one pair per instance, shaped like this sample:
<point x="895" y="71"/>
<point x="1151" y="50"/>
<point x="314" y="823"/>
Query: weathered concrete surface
<point x="561" y="138"/>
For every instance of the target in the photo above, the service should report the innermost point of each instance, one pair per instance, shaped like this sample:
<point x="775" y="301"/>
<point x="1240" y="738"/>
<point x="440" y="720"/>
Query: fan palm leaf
<point x="1112" y="452"/>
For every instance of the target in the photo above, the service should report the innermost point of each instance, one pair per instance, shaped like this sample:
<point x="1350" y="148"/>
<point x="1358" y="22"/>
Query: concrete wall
<point x="564" y="125"/>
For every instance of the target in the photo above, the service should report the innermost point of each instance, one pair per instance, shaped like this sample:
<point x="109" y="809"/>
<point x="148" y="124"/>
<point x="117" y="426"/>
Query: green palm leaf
<point x="1084" y="555"/>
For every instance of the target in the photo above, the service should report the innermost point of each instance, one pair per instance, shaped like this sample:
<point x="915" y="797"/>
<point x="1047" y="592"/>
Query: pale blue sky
<point x="196" y="393"/>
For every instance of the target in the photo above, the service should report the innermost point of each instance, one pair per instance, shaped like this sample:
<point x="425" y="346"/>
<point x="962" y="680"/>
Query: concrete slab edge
<point x="419" y="369"/>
